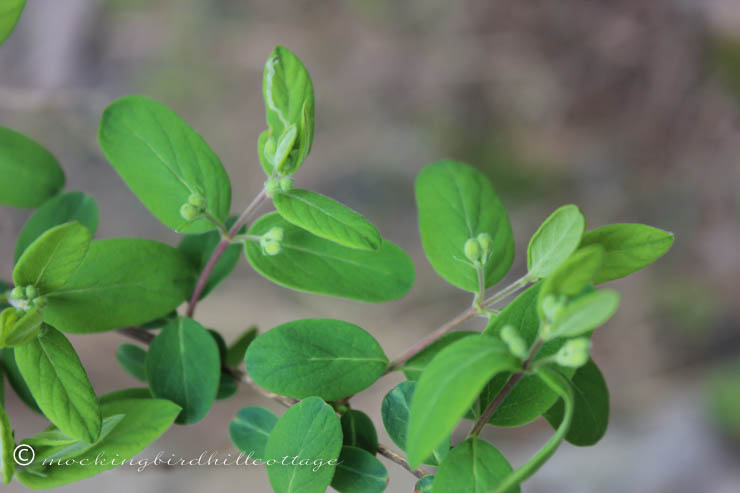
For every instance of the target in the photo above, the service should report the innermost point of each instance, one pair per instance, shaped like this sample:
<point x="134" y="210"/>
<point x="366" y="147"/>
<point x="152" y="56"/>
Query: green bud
<point x="275" y="233"/>
<point x="286" y="184"/>
<point x="472" y="250"/>
<point x="552" y="306"/>
<point x="189" y="212"/>
<point x="39" y="302"/>
<point x="271" y="247"/>
<point x="31" y="292"/>
<point x="516" y="344"/>
<point x="197" y="200"/>
<point x="575" y="353"/>
<point x="18" y="293"/>
<point x="486" y="245"/>
<point x="272" y="187"/>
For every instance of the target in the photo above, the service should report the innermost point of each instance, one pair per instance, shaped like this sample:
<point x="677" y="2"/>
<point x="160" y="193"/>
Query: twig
<point x="388" y="453"/>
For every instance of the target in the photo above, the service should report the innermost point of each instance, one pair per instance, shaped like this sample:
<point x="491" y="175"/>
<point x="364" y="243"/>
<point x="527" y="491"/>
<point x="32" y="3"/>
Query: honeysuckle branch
<point x="388" y="453"/>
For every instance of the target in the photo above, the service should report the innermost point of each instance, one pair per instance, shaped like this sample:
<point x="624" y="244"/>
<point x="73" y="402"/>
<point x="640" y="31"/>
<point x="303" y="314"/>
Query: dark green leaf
<point x="555" y="240"/>
<point x="123" y="394"/>
<point x="456" y="202"/>
<point x="220" y="343"/>
<point x="313" y="264"/>
<point x="183" y="365"/>
<point x="235" y="353"/>
<point x="7" y="446"/>
<point x="414" y="366"/>
<point x="474" y="466"/>
<point x="358" y="430"/>
<point x="164" y="161"/>
<point x="16" y="379"/>
<point x="122" y="282"/>
<point x="424" y="485"/>
<point x="628" y="248"/>
<point x="250" y="430"/>
<point x="321" y="357"/>
<point x="31" y="175"/>
<point x="359" y="472"/>
<point x="308" y="434"/>
<point x="133" y="359"/>
<point x="10" y="12"/>
<point x="327" y="219"/>
<point x="227" y="387"/>
<point x="58" y="381"/>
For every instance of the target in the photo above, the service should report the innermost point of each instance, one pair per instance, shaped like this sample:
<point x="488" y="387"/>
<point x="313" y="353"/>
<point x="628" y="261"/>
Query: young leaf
<point x="585" y="314"/>
<point x="591" y="412"/>
<point x="313" y="264"/>
<point x="358" y="430"/>
<point x="31" y="175"/>
<point x="415" y="366"/>
<point x="456" y="203"/>
<point x="424" y="485"/>
<point x="473" y="466"/>
<point x="7" y="446"/>
<point x="359" y="471"/>
<point x="574" y="275"/>
<point x="143" y="422"/>
<point x="327" y="219"/>
<point x="448" y="387"/>
<point x="307" y="433"/>
<point x="16" y="379"/>
<point x="235" y="353"/>
<point x="250" y="430"/>
<point x="628" y="248"/>
<point x="183" y="365"/>
<point x="122" y="282"/>
<point x="50" y="261"/>
<point x="164" y="162"/>
<point x="320" y="357"/>
<point x="58" y="381"/>
<point x="68" y="207"/>
<point x="132" y="358"/>
<point x="555" y="240"/>
<point x="9" y="15"/>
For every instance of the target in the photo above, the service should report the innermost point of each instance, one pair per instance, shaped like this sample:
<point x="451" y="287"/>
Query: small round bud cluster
<point x="478" y="250"/>
<point x="26" y="297"/>
<point x="286" y="184"/>
<point x="575" y="353"/>
<point x="270" y="241"/>
<point x="272" y="186"/>
<point x="194" y="207"/>
<point x="516" y="344"/>
<point x="552" y="306"/>
<point x="472" y="250"/>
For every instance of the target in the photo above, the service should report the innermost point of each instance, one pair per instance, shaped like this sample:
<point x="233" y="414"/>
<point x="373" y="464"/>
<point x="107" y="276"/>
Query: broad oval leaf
<point x="58" y="381"/>
<point x="555" y="240"/>
<point x="164" y="161"/>
<point x="68" y="207"/>
<point x="183" y="365"/>
<point x="122" y="282"/>
<point x="144" y="420"/>
<point x="327" y="219"/>
<point x="7" y="446"/>
<point x="586" y="313"/>
<point x="628" y="248"/>
<point x="51" y="260"/>
<point x="474" y="466"/>
<point x="9" y="15"/>
<point x="591" y="407"/>
<point x="456" y="202"/>
<point x="359" y="471"/>
<point x="309" y="432"/>
<point x="313" y="264"/>
<point x="448" y="387"/>
<point x="132" y="358"/>
<point x="327" y="358"/>
<point x="413" y="368"/>
<point x="31" y="175"/>
<point x="358" y="430"/>
<point x="250" y="430"/>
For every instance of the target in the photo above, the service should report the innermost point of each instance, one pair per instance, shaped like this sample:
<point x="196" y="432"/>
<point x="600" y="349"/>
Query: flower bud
<point x="18" y="293"/>
<point x="486" y="245"/>
<point x="271" y="247"/>
<point x="575" y="353"/>
<point x="552" y="306"/>
<point x="272" y="187"/>
<point x="472" y="250"/>
<point x="31" y="292"/>
<point x="516" y="344"/>
<point x="286" y="184"/>
<point x="276" y="234"/>
<point x="197" y="200"/>
<point x="189" y="212"/>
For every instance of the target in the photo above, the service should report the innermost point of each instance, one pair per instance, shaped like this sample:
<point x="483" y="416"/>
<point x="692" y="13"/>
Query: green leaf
<point x="289" y="100"/>
<point x="309" y="435"/>
<point x="359" y="472"/>
<point x="585" y="314"/>
<point x="123" y="394"/>
<point x="628" y="248"/>
<point x="10" y="12"/>
<point x="16" y="379"/>
<point x="251" y="428"/>
<point x="58" y="381"/>
<point x="396" y="411"/>
<point x="575" y="274"/>
<point x="327" y="219"/>
<point x="7" y="446"/>
<point x="414" y="366"/>
<point x="227" y="387"/>
<point x="183" y="365"/>
<point x="424" y="485"/>
<point x="68" y="207"/>
<point x="50" y="261"/>
<point x="591" y="401"/>
<point x="559" y="384"/>
<point x="220" y="343"/>
<point x="143" y="422"/>
<point x="132" y="358"/>
<point x="314" y="356"/>
<point x="313" y="264"/>
<point x="122" y="282"/>
<point x="235" y="353"/>
<point x="555" y="240"/>
<point x="474" y="466"/>
<point x="448" y="387"/>
<point x="53" y="444"/>
<point x="19" y="327"/>
<point x="456" y="202"/>
<point x="199" y="248"/>
<point x="164" y="161"/>
<point x="358" y="430"/>
<point x="31" y="175"/>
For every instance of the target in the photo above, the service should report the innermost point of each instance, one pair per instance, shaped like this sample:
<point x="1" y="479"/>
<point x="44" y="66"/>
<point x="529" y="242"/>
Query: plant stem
<point x="386" y="452"/>
<point x="507" y="291"/>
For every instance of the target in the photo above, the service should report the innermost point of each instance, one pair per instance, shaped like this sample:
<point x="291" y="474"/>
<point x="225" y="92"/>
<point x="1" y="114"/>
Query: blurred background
<point x="627" y="108"/>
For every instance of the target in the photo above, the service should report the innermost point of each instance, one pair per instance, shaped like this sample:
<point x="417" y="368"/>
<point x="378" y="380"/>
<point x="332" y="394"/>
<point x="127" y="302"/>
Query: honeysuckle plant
<point x="529" y="358"/>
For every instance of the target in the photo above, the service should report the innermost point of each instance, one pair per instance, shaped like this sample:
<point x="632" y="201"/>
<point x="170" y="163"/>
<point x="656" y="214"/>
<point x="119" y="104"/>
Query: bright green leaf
<point x="413" y="367"/>
<point x="359" y="472"/>
<point x="585" y="314"/>
<point x="235" y="353"/>
<point x="132" y="358"/>
<point x="164" y="161"/>
<point x="358" y="430"/>
<point x="313" y="264"/>
<point x="320" y="357"/>
<point x="574" y="275"/>
<point x="31" y="175"/>
<point x="7" y="446"/>
<point x="250" y="430"/>
<point x="10" y="12"/>
<point x="555" y="240"/>
<point x="183" y="365"/>
<point x="474" y="466"/>
<point x="58" y="381"/>
<point x="456" y="202"/>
